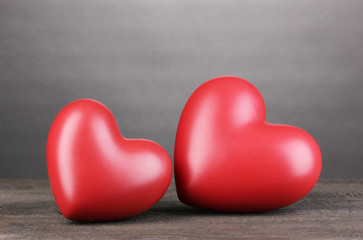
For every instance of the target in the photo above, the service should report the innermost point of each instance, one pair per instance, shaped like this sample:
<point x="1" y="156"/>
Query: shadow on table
<point x="165" y="211"/>
<point x="175" y="211"/>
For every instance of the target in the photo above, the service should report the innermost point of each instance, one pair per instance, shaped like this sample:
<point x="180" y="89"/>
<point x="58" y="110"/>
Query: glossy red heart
<point x="95" y="173"/>
<point x="227" y="158"/>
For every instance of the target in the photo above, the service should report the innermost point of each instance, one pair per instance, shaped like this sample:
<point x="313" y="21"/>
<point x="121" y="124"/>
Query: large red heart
<point x="227" y="158"/>
<point x="95" y="173"/>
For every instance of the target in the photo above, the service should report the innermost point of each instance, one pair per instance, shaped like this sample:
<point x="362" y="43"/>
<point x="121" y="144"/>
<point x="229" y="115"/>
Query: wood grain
<point x="333" y="210"/>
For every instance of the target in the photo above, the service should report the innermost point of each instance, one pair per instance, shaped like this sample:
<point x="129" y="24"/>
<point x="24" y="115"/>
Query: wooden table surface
<point x="333" y="210"/>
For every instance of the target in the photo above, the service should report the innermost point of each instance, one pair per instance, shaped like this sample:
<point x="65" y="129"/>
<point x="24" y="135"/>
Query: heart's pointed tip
<point x="89" y="218"/>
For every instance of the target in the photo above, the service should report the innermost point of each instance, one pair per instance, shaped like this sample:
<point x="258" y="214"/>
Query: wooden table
<point x="333" y="210"/>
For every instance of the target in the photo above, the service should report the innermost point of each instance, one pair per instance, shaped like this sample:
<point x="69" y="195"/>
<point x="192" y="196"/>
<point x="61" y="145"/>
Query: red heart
<point x="95" y="173"/>
<point x="227" y="158"/>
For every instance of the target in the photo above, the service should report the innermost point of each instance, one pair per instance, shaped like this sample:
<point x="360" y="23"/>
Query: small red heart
<point x="227" y="158"/>
<point x="95" y="173"/>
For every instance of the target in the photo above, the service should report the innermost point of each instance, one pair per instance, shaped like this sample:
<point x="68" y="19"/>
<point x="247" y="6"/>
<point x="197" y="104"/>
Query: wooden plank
<point x="334" y="209"/>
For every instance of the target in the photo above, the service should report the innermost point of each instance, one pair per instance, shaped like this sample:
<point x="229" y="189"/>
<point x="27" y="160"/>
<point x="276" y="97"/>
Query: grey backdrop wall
<point x="144" y="58"/>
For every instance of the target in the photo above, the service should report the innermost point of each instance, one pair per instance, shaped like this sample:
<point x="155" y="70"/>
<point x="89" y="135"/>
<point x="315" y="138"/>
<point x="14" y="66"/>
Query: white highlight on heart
<point x="202" y="138"/>
<point x="301" y="156"/>
<point x="66" y="155"/>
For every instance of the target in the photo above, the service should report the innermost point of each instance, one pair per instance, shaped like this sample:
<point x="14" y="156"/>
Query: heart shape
<point x="227" y="158"/>
<point x="95" y="173"/>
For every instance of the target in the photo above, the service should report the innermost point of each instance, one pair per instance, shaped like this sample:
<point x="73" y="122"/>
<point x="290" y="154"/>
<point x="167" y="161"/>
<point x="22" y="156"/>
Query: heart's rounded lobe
<point x="227" y="158"/>
<point x="95" y="173"/>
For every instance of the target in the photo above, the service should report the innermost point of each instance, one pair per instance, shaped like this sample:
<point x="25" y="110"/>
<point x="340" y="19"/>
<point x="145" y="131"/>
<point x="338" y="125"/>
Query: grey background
<point x="143" y="59"/>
